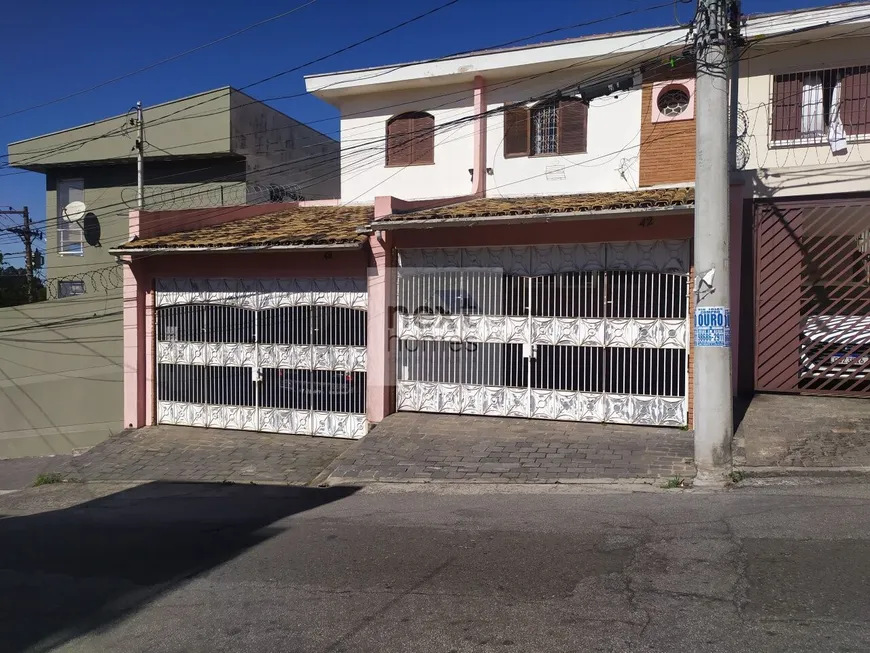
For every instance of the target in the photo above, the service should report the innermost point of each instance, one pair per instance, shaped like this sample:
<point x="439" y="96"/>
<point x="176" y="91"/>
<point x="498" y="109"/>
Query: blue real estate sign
<point x="712" y="326"/>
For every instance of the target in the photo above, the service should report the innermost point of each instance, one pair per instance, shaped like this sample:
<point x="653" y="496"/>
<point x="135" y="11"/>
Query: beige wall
<point x="281" y="150"/>
<point x="798" y="170"/>
<point x="60" y="376"/>
<point x="200" y="126"/>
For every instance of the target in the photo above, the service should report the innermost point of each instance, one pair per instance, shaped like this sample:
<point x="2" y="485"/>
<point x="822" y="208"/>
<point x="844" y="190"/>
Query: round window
<point x="673" y="101"/>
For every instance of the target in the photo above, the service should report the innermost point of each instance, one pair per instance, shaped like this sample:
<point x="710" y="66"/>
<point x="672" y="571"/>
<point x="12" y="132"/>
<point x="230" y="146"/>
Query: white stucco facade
<point x="610" y="163"/>
<point x="364" y="172"/>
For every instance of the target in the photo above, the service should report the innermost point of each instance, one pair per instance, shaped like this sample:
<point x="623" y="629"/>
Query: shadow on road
<point x="73" y="570"/>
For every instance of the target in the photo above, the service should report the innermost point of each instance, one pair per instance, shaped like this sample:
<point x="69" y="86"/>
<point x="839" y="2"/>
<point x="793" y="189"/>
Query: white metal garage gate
<point x="279" y="355"/>
<point x="592" y="332"/>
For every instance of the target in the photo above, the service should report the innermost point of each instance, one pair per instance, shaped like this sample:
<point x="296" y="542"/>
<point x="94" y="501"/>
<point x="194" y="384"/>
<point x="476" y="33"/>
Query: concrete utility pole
<point x="140" y="159"/>
<point x="27" y="236"/>
<point x="713" y="402"/>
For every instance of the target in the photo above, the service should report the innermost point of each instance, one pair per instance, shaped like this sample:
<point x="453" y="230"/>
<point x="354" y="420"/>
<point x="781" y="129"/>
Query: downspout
<point x="478" y="175"/>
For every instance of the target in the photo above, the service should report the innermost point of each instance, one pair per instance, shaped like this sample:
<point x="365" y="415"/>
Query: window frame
<point x="412" y="143"/>
<point x="783" y="76"/>
<point x="65" y="282"/>
<point x="577" y="135"/>
<point x="65" y="230"/>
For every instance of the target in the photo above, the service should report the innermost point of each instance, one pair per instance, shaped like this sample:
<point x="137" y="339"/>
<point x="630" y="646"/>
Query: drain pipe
<point x="478" y="171"/>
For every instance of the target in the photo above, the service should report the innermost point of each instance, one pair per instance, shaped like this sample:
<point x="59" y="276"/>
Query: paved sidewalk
<point x="18" y="473"/>
<point x="793" y="432"/>
<point x="176" y="453"/>
<point x="450" y="448"/>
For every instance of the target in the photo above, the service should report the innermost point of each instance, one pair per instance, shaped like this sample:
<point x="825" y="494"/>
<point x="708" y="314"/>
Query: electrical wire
<point x="588" y="80"/>
<point x="398" y="67"/>
<point x="160" y="62"/>
<point x="773" y="36"/>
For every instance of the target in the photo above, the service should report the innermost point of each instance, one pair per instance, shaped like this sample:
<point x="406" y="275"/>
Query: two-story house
<point x="516" y="226"/>
<point x="216" y="149"/>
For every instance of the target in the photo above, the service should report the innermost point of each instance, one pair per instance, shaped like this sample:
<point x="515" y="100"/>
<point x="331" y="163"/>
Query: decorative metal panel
<point x="306" y="422"/>
<point x="263" y="293"/>
<point x="278" y="355"/>
<point x="580" y="332"/>
<point x="664" y="256"/>
<point x="299" y="357"/>
<point x="544" y="404"/>
<point x="222" y="417"/>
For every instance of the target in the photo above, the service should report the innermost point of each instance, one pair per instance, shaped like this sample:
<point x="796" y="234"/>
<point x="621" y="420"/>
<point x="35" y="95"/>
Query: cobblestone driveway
<point x="176" y="453"/>
<point x="419" y="447"/>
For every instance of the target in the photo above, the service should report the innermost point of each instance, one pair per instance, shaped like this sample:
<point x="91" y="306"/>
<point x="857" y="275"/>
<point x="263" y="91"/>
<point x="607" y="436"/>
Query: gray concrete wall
<point x="281" y="150"/>
<point x="200" y="127"/>
<point x="60" y="375"/>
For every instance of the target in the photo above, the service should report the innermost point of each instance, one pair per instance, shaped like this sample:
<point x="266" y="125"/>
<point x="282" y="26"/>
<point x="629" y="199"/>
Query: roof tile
<point x="299" y="226"/>
<point x="583" y="203"/>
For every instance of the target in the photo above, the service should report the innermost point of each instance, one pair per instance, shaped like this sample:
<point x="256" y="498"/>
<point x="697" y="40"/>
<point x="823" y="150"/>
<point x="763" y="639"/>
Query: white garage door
<point x="280" y="355"/>
<point x="591" y="332"/>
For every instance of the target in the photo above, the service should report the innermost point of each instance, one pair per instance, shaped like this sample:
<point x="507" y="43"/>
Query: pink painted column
<point x="380" y="362"/>
<point x="134" y="348"/>
<point x="148" y="372"/>
<point x="133" y="311"/>
<point x="736" y="255"/>
<point x="479" y="183"/>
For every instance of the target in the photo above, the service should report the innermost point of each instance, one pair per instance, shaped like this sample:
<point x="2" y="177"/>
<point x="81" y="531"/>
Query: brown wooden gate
<point x="813" y="297"/>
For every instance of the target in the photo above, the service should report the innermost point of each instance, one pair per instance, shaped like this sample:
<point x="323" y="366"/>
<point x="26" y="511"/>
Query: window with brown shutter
<point x="855" y="107"/>
<point x="571" y="128"/>
<point x="553" y="127"/>
<point x="516" y="132"/>
<point x="787" y="94"/>
<point x="807" y="104"/>
<point x="411" y="139"/>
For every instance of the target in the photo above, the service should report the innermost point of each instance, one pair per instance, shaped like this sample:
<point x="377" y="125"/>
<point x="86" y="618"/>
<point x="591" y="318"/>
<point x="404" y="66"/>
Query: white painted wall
<point x="364" y="173"/>
<point x="803" y="169"/>
<point x="613" y="144"/>
<point x="613" y="140"/>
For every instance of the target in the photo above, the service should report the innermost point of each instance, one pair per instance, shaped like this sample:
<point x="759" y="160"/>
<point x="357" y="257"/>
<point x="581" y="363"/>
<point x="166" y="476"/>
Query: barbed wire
<point x="162" y="198"/>
<point x="106" y="280"/>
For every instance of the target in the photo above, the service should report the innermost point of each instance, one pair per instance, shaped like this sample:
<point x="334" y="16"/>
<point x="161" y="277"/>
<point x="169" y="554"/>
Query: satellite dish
<point x="74" y="211"/>
<point x="92" y="230"/>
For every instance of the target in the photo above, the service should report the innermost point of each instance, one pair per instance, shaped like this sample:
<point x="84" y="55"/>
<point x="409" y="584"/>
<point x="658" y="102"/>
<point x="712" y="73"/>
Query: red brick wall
<point x="667" y="149"/>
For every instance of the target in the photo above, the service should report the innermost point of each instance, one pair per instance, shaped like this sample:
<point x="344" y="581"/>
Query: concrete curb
<point x="334" y="482"/>
<point x="804" y="472"/>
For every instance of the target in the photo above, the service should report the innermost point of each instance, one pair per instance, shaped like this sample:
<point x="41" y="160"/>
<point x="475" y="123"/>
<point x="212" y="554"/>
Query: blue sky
<point x="52" y="48"/>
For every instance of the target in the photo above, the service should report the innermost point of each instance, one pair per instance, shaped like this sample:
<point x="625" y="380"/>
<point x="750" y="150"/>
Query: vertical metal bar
<point x="259" y="374"/>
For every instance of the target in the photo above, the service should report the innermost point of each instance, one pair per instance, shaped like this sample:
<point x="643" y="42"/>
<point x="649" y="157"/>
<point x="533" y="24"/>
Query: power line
<point x="282" y="73"/>
<point x="452" y="124"/>
<point x="160" y="62"/>
<point x="462" y="53"/>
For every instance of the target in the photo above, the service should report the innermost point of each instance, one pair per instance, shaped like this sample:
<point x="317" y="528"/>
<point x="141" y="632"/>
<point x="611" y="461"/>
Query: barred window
<point x="556" y="127"/>
<point x="811" y="106"/>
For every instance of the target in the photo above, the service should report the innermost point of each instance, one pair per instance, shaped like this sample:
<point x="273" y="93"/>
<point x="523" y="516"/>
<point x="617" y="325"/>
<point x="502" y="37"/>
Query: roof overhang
<point x="507" y="63"/>
<point x="493" y="64"/>
<point x="387" y="224"/>
<point x="124" y="251"/>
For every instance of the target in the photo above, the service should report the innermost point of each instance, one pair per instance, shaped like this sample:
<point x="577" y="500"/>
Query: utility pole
<point x="140" y="158"/>
<point x="27" y="236"/>
<point x="713" y="403"/>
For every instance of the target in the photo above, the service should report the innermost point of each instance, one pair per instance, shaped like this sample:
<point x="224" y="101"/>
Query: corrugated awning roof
<point x="304" y="226"/>
<point x="554" y="204"/>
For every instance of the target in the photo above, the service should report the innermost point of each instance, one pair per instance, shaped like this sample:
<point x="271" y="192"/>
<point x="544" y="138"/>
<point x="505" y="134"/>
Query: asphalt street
<point x="195" y="567"/>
